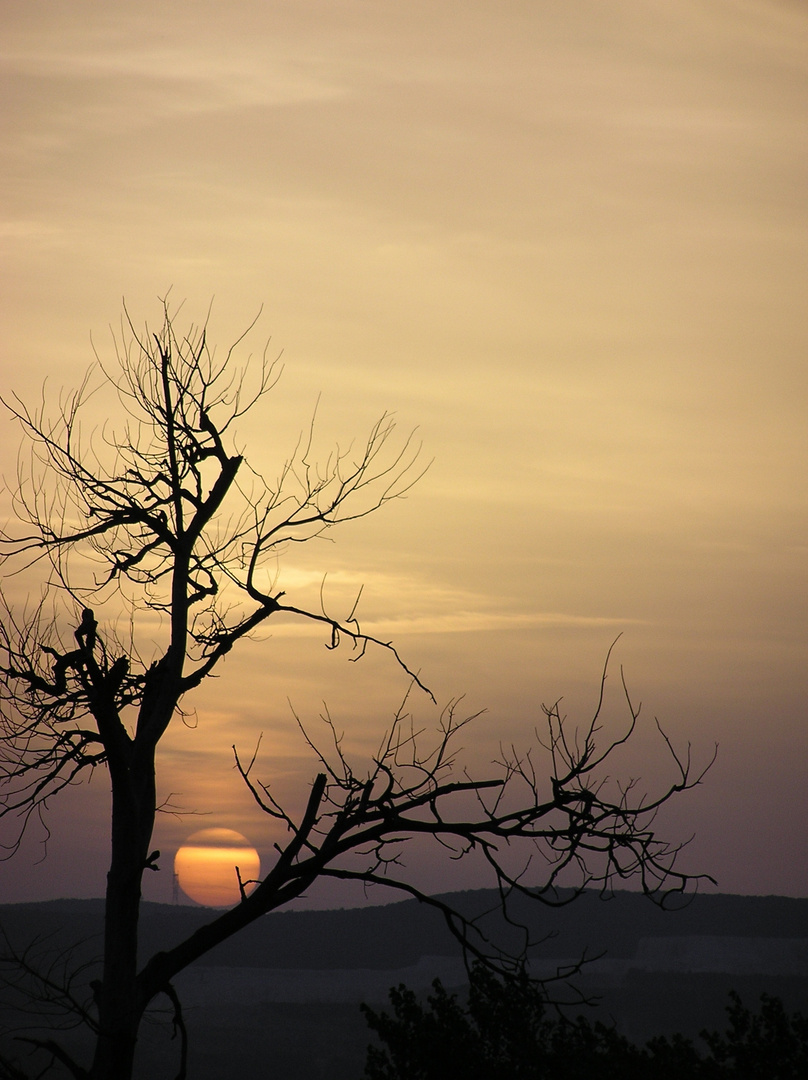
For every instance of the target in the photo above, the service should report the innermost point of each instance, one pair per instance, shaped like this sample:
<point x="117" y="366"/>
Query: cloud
<point x="440" y="610"/>
<point x="482" y="621"/>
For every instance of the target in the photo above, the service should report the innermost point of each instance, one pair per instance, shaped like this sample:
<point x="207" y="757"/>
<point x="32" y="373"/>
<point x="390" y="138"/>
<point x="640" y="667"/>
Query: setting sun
<point x="206" y="865"/>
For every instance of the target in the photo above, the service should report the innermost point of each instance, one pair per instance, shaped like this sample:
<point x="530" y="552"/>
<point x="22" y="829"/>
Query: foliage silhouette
<point x="154" y="545"/>
<point x="505" y="1030"/>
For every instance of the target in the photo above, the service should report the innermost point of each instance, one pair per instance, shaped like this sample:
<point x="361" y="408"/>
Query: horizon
<point x="300" y="906"/>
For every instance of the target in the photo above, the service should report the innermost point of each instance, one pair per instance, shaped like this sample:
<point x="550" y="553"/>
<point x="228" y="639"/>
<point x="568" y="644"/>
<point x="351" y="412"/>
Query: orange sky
<point x="566" y="241"/>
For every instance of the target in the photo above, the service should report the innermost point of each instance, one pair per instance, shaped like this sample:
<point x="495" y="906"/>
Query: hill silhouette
<point x="398" y="934"/>
<point x="290" y="985"/>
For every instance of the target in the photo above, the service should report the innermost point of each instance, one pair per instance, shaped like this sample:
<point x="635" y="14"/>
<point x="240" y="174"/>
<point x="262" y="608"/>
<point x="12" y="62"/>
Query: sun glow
<point x="206" y="865"/>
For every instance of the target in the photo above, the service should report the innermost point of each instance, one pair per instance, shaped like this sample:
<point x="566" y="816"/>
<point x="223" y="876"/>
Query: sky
<point x="566" y="242"/>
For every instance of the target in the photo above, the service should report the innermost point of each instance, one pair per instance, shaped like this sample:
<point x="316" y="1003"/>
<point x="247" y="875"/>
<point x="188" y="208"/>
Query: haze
<point x="565" y="241"/>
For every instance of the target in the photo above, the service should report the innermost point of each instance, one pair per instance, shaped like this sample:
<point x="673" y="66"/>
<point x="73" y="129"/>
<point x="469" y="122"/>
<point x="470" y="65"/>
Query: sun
<point x="206" y="864"/>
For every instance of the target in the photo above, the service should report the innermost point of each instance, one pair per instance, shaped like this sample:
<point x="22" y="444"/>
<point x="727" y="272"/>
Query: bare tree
<point x="165" y="518"/>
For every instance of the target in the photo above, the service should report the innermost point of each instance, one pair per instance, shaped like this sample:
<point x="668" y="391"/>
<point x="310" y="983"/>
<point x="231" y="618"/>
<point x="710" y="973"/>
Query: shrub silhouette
<point x="505" y="1029"/>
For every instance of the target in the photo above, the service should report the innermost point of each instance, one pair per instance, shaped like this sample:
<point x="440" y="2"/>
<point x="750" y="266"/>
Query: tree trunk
<point x="119" y="1006"/>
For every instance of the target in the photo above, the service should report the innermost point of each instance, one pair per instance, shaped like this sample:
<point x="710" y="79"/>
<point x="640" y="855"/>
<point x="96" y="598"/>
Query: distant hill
<point x="284" y="993"/>
<point x="397" y="935"/>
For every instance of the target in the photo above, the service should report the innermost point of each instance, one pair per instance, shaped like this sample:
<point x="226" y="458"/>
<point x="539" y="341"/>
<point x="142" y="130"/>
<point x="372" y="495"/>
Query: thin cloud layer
<point x="564" y="241"/>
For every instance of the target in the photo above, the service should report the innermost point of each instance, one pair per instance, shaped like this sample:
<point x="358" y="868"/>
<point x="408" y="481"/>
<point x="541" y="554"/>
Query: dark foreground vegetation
<point x="504" y="1030"/>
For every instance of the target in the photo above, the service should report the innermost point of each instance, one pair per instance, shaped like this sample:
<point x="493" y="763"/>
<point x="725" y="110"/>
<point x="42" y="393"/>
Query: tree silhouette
<point x="163" y="523"/>
<point x="502" y="1029"/>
